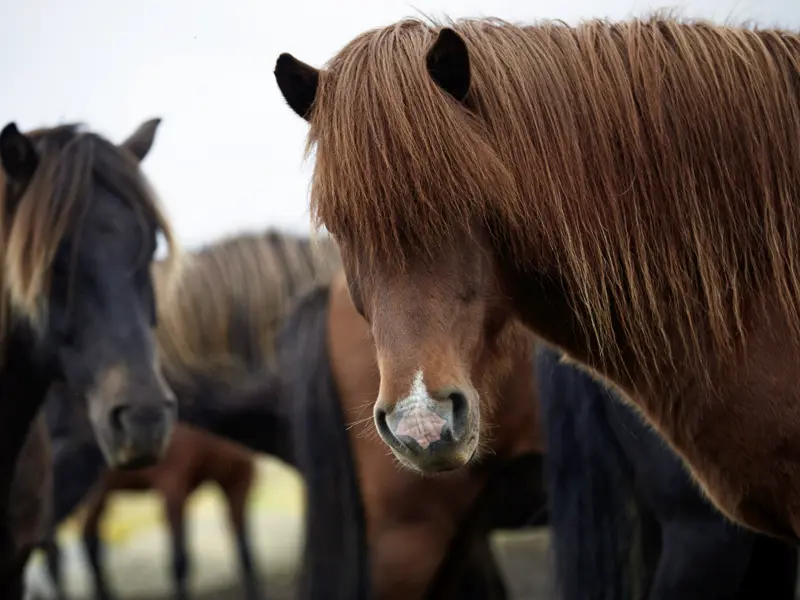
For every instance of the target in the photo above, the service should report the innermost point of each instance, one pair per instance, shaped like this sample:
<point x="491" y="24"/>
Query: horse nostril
<point x="382" y="424"/>
<point x="116" y="416"/>
<point x="460" y="408"/>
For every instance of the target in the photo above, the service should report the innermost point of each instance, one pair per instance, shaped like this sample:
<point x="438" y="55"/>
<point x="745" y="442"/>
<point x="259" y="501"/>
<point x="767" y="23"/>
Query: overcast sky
<point x="229" y="153"/>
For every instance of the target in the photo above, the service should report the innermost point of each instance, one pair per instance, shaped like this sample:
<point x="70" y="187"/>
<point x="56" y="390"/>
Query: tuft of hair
<point x="230" y="300"/>
<point x="652" y="164"/>
<point x="71" y="160"/>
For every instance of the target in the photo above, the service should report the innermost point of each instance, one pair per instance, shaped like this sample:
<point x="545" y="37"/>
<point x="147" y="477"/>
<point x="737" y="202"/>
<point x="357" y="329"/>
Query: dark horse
<point x="627" y="191"/>
<point x="619" y="496"/>
<point x="78" y="227"/>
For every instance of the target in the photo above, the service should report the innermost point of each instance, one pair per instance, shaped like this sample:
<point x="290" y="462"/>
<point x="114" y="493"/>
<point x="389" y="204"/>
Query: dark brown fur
<point x="628" y="190"/>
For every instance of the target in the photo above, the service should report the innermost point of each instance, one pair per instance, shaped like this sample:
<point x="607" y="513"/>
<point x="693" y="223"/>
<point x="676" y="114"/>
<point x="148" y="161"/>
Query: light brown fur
<point x="257" y="275"/>
<point x="628" y="190"/>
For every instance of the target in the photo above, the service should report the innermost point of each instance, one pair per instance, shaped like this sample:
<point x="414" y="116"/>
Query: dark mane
<point x="653" y="165"/>
<point x="53" y="206"/>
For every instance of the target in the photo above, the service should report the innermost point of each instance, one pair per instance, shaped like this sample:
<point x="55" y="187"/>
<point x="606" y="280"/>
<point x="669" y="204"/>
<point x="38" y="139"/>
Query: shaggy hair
<point x="654" y="163"/>
<point x="227" y="305"/>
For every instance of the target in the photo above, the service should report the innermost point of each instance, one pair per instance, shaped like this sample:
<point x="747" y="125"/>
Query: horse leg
<point x="93" y="545"/>
<point x="701" y="559"/>
<point x="53" y="558"/>
<point x="482" y="579"/>
<point x="237" y="495"/>
<point x="405" y="559"/>
<point x="174" y="505"/>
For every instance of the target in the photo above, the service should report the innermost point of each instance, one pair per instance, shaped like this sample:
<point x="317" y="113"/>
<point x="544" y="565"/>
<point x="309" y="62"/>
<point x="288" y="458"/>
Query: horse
<point x="193" y="458"/>
<point x="78" y="228"/>
<point x="602" y="461"/>
<point x="624" y="190"/>
<point x="366" y="521"/>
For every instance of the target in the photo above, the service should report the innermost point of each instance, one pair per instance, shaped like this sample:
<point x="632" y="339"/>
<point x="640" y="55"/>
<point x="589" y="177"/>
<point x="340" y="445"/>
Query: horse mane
<point x="605" y="154"/>
<point x="53" y="206"/>
<point x="231" y="297"/>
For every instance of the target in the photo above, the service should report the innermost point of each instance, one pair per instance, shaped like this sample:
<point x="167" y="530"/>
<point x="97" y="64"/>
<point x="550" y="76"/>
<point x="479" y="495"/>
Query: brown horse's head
<point x="437" y="328"/>
<point x="431" y="294"/>
<point x="79" y="227"/>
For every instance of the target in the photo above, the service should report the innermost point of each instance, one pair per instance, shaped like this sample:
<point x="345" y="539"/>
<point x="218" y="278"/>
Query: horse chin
<point x="439" y="463"/>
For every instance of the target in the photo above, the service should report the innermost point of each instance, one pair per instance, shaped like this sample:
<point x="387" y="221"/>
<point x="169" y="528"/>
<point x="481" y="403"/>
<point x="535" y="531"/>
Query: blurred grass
<point x="277" y="489"/>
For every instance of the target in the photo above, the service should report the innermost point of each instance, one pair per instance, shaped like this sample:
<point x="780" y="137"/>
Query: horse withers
<point x="625" y="190"/>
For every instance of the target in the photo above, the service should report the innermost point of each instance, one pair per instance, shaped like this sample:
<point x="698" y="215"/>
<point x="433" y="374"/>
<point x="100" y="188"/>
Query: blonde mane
<point x="230" y="300"/>
<point x="654" y="165"/>
<point x="53" y="206"/>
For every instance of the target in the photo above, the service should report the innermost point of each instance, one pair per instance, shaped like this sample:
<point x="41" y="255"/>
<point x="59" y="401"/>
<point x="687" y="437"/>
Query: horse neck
<point x="25" y="378"/>
<point x="542" y="304"/>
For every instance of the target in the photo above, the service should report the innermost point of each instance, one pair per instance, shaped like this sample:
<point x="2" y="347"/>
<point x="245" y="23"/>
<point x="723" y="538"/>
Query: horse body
<point x="616" y="187"/>
<point x="70" y="311"/>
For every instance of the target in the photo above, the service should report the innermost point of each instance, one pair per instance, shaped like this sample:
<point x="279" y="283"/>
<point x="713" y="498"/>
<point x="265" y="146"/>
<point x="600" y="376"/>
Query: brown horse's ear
<point x="17" y="155"/>
<point x="141" y="140"/>
<point x="448" y="64"/>
<point x="298" y="83"/>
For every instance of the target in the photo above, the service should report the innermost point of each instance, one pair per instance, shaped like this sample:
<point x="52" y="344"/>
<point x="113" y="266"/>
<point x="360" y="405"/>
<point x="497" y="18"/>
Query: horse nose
<point x="431" y="428"/>
<point x="142" y="431"/>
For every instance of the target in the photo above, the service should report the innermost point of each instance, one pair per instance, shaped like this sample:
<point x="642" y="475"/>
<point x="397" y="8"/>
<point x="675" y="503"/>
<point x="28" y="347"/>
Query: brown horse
<point x="192" y="458"/>
<point x="78" y="227"/>
<point x="625" y="190"/>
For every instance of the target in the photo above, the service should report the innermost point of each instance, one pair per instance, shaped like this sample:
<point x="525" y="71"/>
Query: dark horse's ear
<point x="298" y="82"/>
<point x="141" y="140"/>
<point x="448" y="63"/>
<point x="17" y="155"/>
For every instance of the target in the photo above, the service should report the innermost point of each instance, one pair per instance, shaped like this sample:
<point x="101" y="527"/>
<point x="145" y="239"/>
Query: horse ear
<point x="448" y="63"/>
<point x="18" y="156"/>
<point x="141" y="140"/>
<point x="298" y="83"/>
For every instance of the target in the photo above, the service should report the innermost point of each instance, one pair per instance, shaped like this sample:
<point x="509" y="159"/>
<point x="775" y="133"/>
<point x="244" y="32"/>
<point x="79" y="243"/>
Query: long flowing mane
<point x="653" y="164"/>
<point x="226" y="307"/>
<point x="53" y="207"/>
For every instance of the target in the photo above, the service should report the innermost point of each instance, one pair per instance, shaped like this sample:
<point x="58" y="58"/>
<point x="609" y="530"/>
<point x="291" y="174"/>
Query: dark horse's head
<point x="79" y="227"/>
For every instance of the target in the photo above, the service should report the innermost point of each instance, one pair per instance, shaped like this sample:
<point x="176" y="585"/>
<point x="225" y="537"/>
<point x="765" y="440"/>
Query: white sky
<point x="229" y="152"/>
